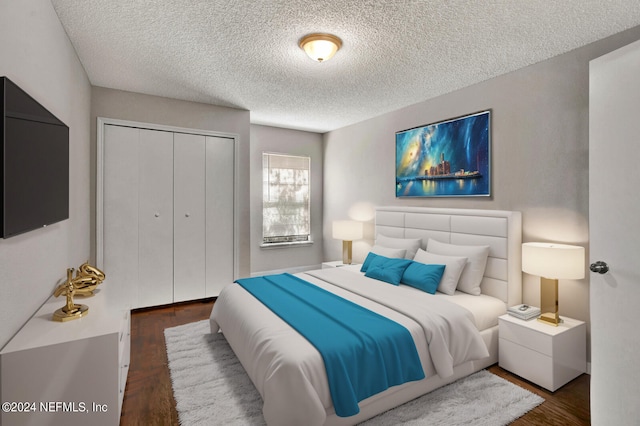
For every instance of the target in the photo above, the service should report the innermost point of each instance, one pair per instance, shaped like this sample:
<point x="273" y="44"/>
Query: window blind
<point x="285" y="198"/>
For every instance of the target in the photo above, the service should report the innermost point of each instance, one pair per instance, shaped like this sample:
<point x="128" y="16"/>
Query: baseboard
<point x="293" y="270"/>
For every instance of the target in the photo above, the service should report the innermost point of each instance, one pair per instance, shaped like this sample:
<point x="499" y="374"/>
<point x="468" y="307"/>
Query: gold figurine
<point x="87" y="279"/>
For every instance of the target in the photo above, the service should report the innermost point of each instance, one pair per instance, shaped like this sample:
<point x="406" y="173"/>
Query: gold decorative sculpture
<point x="85" y="282"/>
<point x="87" y="279"/>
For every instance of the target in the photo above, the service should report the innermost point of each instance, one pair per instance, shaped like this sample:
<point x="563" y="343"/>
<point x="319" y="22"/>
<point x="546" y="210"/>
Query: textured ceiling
<point x="244" y="53"/>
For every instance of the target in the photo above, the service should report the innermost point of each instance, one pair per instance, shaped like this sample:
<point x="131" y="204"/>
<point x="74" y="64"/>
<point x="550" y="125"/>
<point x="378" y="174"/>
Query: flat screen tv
<point x="35" y="164"/>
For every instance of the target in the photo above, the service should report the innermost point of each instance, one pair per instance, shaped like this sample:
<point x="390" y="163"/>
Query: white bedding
<point x="289" y="372"/>
<point x="485" y="309"/>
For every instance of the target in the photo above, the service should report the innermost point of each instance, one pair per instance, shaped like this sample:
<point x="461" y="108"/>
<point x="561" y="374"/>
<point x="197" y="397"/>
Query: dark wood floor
<point x="148" y="398"/>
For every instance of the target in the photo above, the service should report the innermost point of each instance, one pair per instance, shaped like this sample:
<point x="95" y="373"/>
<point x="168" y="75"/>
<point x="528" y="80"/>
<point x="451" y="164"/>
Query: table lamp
<point x="347" y="231"/>
<point x="552" y="262"/>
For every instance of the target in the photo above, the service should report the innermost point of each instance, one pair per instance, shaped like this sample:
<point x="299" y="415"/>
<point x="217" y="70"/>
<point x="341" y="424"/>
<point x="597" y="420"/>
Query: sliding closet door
<point x="155" y="230"/>
<point x="189" y="217"/>
<point x="219" y="189"/>
<point x="120" y="211"/>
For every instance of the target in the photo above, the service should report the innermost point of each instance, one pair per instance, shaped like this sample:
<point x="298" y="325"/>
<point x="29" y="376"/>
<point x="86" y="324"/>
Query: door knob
<point x="600" y="267"/>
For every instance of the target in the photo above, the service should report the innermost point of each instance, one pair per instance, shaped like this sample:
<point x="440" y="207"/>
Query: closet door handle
<point x="157" y="215"/>
<point x="187" y="215"/>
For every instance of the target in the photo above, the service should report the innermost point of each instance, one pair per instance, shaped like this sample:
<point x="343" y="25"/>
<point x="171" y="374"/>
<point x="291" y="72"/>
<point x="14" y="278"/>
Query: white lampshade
<point x="320" y="47"/>
<point x="554" y="261"/>
<point x="347" y="230"/>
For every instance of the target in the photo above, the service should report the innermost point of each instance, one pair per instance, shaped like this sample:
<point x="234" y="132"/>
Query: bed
<point x="288" y="371"/>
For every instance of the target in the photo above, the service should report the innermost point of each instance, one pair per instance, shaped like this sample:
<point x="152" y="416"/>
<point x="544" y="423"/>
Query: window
<point x="285" y="199"/>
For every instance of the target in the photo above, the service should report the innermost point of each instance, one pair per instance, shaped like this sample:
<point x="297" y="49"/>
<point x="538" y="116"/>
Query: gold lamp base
<point x="550" y="319"/>
<point x="346" y="252"/>
<point x="64" y="314"/>
<point x="549" y="302"/>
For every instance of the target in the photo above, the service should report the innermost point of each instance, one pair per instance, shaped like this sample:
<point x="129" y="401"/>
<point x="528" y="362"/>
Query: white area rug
<point x="211" y="387"/>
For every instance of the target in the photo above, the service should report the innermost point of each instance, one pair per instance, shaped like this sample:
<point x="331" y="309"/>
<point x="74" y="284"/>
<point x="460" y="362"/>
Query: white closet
<point x="167" y="214"/>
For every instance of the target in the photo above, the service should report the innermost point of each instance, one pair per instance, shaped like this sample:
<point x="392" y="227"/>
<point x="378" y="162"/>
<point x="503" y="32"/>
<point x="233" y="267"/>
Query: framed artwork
<point x="449" y="158"/>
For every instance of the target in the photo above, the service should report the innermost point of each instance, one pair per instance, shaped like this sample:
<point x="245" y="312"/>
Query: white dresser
<point x="546" y="355"/>
<point x="67" y="373"/>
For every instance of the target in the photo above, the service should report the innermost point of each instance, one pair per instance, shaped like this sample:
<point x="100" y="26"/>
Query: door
<point x="155" y="220"/>
<point x="167" y="213"/>
<point x="614" y="227"/>
<point x="189" y="207"/>
<point x="120" y="213"/>
<point x="219" y="206"/>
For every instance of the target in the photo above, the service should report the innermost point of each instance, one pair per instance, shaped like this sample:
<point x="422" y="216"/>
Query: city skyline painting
<point x="449" y="158"/>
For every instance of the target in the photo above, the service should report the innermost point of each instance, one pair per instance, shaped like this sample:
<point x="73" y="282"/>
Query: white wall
<point x="293" y="142"/>
<point x="36" y="54"/>
<point x="539" y="150"/>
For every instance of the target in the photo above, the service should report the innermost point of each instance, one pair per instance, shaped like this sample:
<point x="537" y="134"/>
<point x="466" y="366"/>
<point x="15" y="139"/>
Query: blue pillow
<point x="387" y="269"/>
<point x="367" y="261"/>
<point x="422" y="276"/>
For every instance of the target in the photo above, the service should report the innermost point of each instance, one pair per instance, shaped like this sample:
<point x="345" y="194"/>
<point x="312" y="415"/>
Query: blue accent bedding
<point x="364" y="353"/>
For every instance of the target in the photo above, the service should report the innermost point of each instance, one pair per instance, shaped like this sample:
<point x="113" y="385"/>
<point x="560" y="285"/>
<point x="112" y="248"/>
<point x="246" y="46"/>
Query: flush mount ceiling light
<point x="320" y="47"/>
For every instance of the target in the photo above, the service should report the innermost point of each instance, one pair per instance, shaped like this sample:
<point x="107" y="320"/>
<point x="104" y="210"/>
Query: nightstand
<point x="334" y="264"/>
<point x="546" y="355"/>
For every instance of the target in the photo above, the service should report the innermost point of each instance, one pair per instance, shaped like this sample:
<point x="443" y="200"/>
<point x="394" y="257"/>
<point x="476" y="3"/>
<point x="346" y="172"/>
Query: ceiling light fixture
<point x="319" y="46"/>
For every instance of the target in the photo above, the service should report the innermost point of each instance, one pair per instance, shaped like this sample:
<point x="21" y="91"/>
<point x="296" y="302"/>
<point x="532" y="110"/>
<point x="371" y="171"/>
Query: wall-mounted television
<point x="35" y="163"/>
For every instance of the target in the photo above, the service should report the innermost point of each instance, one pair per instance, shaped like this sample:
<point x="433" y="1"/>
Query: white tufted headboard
<point x="500" y="230"/>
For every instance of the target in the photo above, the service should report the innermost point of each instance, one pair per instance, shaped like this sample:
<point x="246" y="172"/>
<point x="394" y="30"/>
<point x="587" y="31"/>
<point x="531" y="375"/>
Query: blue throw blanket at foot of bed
<point x="364" y="353"/>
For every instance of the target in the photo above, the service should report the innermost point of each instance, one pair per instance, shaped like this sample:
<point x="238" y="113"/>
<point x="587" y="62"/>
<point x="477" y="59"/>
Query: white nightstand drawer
<point x="526" y="363"/>
<point x="527" y="337"/>
<point x="546" y="355"/>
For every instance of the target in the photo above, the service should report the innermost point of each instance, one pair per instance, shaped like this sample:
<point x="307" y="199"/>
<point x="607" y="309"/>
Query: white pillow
<point x="471" y="277"/>
<point x="411" y="245"/>
<point x="388" y="252"/>
<point x="452" y="270"/>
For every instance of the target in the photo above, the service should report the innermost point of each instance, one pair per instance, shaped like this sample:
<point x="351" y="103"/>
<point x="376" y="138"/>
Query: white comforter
<point x="289" y="372"/>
